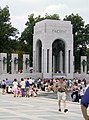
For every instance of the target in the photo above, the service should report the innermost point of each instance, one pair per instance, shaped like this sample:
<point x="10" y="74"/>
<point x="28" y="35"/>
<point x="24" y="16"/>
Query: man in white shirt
<point x="22" y="83"/>
<point x="15" y="86"/>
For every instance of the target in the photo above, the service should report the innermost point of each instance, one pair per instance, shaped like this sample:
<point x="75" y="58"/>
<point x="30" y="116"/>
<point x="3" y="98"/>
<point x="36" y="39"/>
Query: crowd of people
<point x="30" y="87"/>
<point x="24" y="87"/>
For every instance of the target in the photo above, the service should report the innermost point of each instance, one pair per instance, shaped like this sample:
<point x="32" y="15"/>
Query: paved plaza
<point x="36" y="108"/>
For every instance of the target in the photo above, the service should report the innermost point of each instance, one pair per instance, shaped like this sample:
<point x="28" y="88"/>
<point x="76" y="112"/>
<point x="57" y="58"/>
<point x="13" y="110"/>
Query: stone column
<point x="37" y="59"/>
<point x="47" y="74"/>
<point x="34" y="62"/>
<point x="45" y="61"/>
<point x="3" y="63"/>
<point x="61" y="61"/>
<point x="42" y="60"/>
<point x="53" y="64"/>
<point x="14" y="63"/>
<point x="26" y="63"/>
<point x="71" y="63"/>
<point x="66" y="61"/>
<point x="50" y="61"/>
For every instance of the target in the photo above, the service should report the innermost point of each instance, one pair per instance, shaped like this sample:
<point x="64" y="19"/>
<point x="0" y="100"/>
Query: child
<point x="81" y="92"/>
<point x="19" y="91"/>
<point x="3" y="85"/>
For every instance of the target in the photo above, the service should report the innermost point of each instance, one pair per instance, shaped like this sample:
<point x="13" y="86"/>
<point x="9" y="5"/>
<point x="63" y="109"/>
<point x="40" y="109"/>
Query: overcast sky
<point x="20" y="9"/>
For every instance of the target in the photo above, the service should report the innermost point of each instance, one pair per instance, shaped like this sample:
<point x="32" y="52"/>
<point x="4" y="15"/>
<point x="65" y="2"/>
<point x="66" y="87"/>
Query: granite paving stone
<point x="36" y="108"/>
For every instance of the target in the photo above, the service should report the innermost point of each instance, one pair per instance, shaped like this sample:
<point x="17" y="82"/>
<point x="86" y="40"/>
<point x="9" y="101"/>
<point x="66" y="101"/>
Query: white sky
<point x="20" y="9"/>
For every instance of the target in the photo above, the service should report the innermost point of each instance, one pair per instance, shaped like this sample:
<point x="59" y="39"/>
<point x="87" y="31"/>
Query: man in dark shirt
<point x="85" y="103"/>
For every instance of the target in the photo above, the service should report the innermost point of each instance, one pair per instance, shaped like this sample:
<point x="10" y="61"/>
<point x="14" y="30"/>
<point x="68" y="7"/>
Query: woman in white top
<point x="22" y="83"/>
<point x="15" y="86"/>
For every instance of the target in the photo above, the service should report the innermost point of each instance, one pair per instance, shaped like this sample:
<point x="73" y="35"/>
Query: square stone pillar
<point x="50" y="61"/>
<point x="66" y="61"/>
<point x="3" y="63"/>
<point x="53" y="64"/>
<point x="26" y="62"/>
<point x="47" y="63"/>
<point x="14" y="63"/>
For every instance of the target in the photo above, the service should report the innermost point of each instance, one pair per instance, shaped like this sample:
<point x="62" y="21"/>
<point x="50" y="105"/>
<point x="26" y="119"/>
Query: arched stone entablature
<point x="47" y="34"/>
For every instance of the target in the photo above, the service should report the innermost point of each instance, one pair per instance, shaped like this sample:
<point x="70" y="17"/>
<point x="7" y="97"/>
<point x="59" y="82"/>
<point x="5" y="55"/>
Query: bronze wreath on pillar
<point x="27" y="61"/>
<point x="15" y="60"/>
<point x="4" y="60"/>
<point x="84" y="63"/>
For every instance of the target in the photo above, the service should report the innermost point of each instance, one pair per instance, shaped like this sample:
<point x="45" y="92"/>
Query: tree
<point x="27" y="35"/>
<point x="81" y="37"/>
<point x="78" y="27"/>
<point x="53" y="17"/>
<point x="86" y="34"/>
<point x="6" y="30"/>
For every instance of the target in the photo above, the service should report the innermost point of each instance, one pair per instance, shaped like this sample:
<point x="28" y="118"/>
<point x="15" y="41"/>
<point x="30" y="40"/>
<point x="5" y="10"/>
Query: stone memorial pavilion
<point x="53" y="48"/>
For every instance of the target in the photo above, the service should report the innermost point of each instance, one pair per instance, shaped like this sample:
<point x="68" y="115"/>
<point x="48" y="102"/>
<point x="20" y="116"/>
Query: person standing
<point x="7" y="84"/>
<point x="15" y="86"/>
<point x="75" y="93"/>
<point x="61" y="89"/>
<point x="22" y="83"/>
<point x="3" y="86"/>
<point x="19" y="91"/>
<point x="27" y="87"/>
<point x="84" y="104"/>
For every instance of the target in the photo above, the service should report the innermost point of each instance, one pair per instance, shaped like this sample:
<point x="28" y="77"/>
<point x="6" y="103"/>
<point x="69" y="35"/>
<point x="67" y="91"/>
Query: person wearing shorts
<point x="61" y="89"/>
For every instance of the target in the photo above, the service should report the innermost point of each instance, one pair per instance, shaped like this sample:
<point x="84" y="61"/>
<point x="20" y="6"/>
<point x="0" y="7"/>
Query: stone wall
<point x="11" y="77"/>
<point x="39" y="75"/>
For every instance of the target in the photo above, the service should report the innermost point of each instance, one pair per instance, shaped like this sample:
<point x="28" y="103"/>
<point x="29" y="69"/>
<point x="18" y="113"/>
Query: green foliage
<point x="6" y="30"/>
<point x="81" y="37"/>
<point x="86" y="34"/>
<point x="53" y="17"/>
<point x="57" y="47"/>
<point x="87" y="53"/>
<point x="78" y="27"/>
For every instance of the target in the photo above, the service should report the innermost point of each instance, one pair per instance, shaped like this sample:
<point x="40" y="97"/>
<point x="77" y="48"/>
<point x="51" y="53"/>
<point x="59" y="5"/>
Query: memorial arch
<point x="53" y="48"/>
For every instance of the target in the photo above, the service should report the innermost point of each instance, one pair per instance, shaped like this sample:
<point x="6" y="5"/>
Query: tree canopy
<point x="6" y="30"/>
<point x="81" y="36"/>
